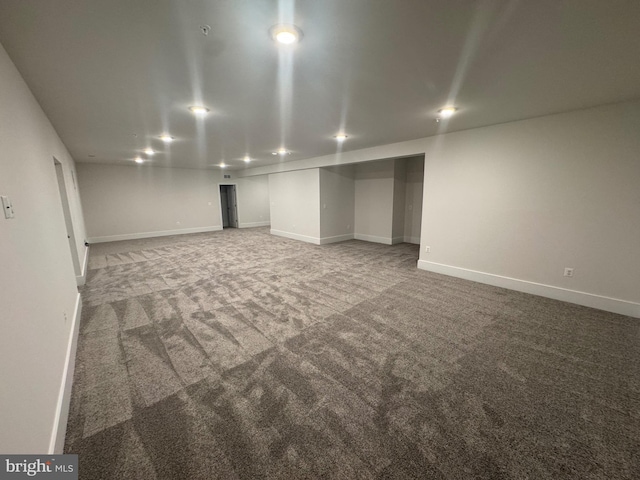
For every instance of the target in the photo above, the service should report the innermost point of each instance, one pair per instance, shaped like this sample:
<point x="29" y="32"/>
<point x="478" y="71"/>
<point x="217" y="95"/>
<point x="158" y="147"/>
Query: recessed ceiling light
<point x="341" y="137"/>
<point x="286" y="34"/>
<point x="149" y="151"/>
<point x="199" y="110"/>
<point x="138" y="160"/>
<point x="447" y="112"/>
<point x="247" y="159"/>
<point x="166" y="138"/>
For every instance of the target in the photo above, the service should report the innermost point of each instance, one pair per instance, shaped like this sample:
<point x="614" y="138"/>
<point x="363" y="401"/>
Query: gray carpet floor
<point x="240" y="355"/>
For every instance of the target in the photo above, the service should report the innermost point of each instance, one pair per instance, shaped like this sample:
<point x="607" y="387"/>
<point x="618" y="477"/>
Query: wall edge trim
<point x="59" y="430"/>
<point x="336" y="238"/>
<point x="373" y="238"/>
<point x="159" y="233"/>
<point x="254" y="224"/>
<point x="82" y="279"/>
<point x="414" y="240"/>
<point x="600" y="302"/>
<point x="296" y="236"/>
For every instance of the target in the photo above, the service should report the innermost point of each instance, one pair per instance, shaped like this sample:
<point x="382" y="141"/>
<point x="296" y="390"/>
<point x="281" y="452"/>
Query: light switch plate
<point x="7" y="207"/>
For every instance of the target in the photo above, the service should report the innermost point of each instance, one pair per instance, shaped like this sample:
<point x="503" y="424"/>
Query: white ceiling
<point x="380" y="69"/>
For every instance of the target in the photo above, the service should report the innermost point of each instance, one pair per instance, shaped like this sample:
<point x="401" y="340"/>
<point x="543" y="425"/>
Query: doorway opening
<point x="229" y="206"/>
<point x="64" y="200"/>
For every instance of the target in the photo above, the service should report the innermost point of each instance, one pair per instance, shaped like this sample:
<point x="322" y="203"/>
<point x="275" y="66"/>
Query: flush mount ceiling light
<point x="199" y="110"/>
<point x="138" y="160"/>
<point x="166" y="138"/>
<point x="447" y="112"/>
<point x="286" y="34"/>
<point x="341" y="137"/>
<point x="281" y="151"/>
<point x="149" y="151"/>
<point x="247" y="159"/>
<point x="223" y="165"/>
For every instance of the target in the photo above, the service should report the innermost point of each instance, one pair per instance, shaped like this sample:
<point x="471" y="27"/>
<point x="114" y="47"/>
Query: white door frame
<point x="66" y="212"/>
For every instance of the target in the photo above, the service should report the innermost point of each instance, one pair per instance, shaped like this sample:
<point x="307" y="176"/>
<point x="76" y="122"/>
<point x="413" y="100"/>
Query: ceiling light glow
<point x="286" y="34"/>
<point x="149" y="151"/>
<point x="199" y="110"/>
<point x="247" y="159"/>
<point x="166" y="138"/>
<point x="223" y="165"/>
<point x="138" y="160"/>
<point x="447" y="112"/>
<point x="282" y="151"/>
<point x="341" y="137"/>
<point x="286" y="37"/>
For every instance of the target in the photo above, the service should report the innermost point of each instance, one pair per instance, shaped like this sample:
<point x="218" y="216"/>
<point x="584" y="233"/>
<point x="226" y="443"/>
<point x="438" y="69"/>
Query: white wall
<point x="524" y="200"/>
<point x="295" y="204"/>
<point x="253" y="201"/>
<point x="39" y="301"/>
<point x="374" y="201"/>
<point x="413" y="199"/>
<point x="337" y="202"/>
<point x="123" y="202"/>
<point x="399" y="194"/>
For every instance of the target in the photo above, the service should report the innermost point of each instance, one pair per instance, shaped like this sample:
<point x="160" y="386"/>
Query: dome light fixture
<point x="223" y="165"/>
<point x="341" y="137"/>
<point x="138" y="160"/>
<point x="166" y="138"/>
<point x="281" y="151"/>
<point x="247" y="159"/>
<point x="286" y="34"/>
<point x="149" y="151"/>
<point x="199" y="110"/>
<point x="447" y="112"/>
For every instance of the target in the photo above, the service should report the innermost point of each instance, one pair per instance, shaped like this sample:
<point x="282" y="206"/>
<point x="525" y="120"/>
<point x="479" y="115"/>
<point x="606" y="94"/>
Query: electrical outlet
<point x="568" y="272"/>
<point x="427" y="249"/>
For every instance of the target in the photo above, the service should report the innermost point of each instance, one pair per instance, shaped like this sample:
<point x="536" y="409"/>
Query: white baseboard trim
<point x="622" y="307"/>
<point x="82" y="279"/>
<point x="161" y="233"/>
<point x="414" y="240"/>
<point x="253" y="224"/>
<point x="336" y="238"/>
<point x="372" y="238"/>
<point x="296" y="236"/>
<point x="56" y="444"/>
<point x="396" y="240"/>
